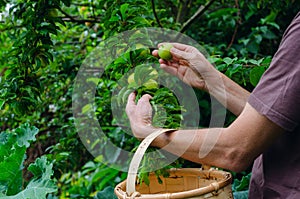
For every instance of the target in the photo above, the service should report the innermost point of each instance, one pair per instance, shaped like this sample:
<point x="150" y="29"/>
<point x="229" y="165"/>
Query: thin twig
<point x="70" y="18"/>
<point x="233" y="37"/>
<point x="239" y="22"/>
<point x="79" y="20"/>
<point x="197" y="14"/>
<point x="155" y="14"/>
<point x="182" y="10"/>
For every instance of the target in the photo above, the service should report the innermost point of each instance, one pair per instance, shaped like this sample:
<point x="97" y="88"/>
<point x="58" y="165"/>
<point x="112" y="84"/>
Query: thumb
<point x="130" y="106"/>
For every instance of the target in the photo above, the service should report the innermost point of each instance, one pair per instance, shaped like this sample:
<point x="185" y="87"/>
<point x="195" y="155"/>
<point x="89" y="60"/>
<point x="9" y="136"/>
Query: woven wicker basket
<point x="193" y="183"/>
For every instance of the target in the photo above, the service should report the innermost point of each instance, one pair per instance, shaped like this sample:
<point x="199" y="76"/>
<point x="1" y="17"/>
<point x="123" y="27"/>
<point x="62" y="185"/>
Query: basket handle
<point x="137" y="157"/>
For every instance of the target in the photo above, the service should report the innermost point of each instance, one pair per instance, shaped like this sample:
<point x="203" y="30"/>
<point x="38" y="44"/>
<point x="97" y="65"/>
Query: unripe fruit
<point x="154" y="74"/>
<point x="144" y="52"/>
<point x="151" y="84"/>
<point x="130" y="78"/>
<point x="164" y="51"/>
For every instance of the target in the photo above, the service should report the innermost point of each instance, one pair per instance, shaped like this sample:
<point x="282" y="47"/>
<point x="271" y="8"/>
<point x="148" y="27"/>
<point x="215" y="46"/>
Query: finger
<point x="169" y="69"/>
<point x="155" y="53"/>
<point x="162" y="61"/>
<point x="131" y="98"/>
<point x="145" y="108"/>
<point x="180" y="46"/>
<point x="130" y="102"/>
<point x="179" y="54"/>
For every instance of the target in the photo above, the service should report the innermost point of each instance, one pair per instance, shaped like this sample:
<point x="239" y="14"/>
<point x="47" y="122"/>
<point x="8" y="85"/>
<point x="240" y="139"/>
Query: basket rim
<point x="224" y="179"/>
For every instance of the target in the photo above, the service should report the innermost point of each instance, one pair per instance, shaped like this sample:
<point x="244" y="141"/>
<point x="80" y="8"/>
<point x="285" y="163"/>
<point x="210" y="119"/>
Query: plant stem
<point x="197" y="14"/>
<point x="155" y="14"/>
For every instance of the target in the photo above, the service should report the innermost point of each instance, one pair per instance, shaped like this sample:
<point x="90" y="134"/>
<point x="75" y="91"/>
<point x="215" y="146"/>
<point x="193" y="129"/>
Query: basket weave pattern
<point x="185" y="183"/>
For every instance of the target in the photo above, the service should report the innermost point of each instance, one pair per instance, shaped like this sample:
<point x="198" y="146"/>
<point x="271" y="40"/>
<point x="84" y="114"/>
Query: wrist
<point x="213" y="80"/>
<point x="142" y="132"/>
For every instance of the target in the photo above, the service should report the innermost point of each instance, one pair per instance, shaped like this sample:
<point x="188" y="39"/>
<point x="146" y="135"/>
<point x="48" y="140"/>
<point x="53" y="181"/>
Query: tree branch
<point x="155" y="14"/>
<point x="197" y="14"/>
<point x="70" y="18"/>
<point x="239" y="22"/>
<point x="183" y="9"/>
<point x="79" y="20"/>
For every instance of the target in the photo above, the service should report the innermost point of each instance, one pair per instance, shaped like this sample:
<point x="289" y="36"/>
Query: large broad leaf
<point x="11" y="172"/>
<point x="40" y="185"/>
<point x="107" y="193"/>
<point x="240" y="195"/>
<point x="20" y="137"/>
<point x="12" y="154"/>
<point x="13" y="147"/>
<point x="26" y="134"/>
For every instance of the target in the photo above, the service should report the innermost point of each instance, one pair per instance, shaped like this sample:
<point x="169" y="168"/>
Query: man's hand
<point x="140" y="115"/>
<point x="189" y="65"/>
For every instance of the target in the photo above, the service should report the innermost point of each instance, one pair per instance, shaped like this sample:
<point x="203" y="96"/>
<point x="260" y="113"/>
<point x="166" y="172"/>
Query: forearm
<point x="227" y="92"/>
<point x="233" y="148"/>
<point x="204" y="146"/>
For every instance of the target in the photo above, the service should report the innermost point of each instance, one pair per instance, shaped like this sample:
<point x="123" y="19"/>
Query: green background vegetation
<point x="43" y="44"/>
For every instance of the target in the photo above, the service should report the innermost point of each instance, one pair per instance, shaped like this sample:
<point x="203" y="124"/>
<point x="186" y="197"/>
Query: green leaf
<point x="228" y="60"/>
<point x="11" y="171"/>
<point x="243" y="184"/>
<point x="107" y="193"/>
<point x="255" y="75"/>
<point x="123" y="10"/>
<point x="12" y="154"/>
<point x="26" y="134"/>
<point x="1" y="103"/>
<point x="269" y="18"/>
<point x="253" y="47"/>
<point x="114" y="18"/>
<point x="41" y="185"/>
<point x="240" y="194"/>
<point x="269" y="35"/>
<point x="222" y="12"/>
<point x="236" y="68"/>
<point x="108" y="178"/>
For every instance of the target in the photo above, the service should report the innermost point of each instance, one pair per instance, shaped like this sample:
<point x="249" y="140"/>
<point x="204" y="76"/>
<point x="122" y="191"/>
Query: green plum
<point x="164" y="51"/>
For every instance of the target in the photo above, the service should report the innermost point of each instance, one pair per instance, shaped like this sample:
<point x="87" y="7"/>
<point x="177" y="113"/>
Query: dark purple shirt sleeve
<point x="277" y="96"/>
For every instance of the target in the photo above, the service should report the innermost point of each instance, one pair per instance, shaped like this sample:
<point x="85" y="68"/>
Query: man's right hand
<point x="189" y="65"/>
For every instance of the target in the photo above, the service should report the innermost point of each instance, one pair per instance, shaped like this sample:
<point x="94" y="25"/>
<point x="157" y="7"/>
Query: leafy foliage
<point x="12" y="154"/>
<point x="240" y="187"/>
<point x="93" y="176"/>
<point x="43" y="44"/>
<point x="107" y="193"/>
